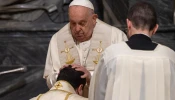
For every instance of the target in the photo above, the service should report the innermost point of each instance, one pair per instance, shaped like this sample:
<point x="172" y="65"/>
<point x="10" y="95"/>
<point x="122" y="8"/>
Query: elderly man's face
<point x="82" y="22"/>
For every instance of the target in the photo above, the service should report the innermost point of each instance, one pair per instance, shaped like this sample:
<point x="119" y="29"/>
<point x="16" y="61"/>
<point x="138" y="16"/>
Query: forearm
<point x="88" y="79"/>
<point x="51" y="79"/>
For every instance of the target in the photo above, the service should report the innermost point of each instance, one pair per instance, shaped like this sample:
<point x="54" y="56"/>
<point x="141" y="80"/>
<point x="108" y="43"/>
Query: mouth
<point x="79" y="36"/>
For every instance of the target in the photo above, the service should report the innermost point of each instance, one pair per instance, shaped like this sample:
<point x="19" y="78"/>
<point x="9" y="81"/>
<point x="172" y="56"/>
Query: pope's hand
<point x="86" y="75"/>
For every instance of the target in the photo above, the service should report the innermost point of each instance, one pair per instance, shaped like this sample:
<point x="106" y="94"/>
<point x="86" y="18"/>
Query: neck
<point x="139" y="31"/>
<point x="143" y="34"/>
<point x="77" y="42"/>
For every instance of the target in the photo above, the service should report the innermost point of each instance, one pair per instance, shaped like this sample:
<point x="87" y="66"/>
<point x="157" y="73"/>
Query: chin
<point x="80" y="40"/>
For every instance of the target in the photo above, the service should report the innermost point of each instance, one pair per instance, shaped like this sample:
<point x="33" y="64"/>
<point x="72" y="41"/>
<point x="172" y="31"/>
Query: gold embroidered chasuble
<point x="68" y="53"/>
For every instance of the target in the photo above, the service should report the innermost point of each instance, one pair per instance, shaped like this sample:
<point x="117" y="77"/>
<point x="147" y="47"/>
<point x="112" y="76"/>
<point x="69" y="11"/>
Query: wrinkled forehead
<point x="79" y="11"/>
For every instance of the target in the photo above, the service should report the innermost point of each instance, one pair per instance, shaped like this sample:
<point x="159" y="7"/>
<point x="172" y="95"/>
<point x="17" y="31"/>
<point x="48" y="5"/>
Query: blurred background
<point x="26" y="27"/>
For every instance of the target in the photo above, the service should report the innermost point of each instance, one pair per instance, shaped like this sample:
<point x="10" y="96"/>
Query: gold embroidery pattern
<point x="39" y="96"/>
<point x="99" y="50"/>
<point x="67" y="96"/>
<point x="69" y="58"/>
<point x="58" y="85"/>
<point x="68" y="93"/>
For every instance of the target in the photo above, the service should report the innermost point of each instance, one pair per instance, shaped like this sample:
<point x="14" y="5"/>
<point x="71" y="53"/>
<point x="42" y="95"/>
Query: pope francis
<point x="80" y="42"/>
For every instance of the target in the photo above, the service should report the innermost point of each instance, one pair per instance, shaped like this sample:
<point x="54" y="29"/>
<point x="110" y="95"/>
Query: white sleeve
<point x="98" y="82"/>
<point x="52" y="65"/>
<point x="48" y="64"/>
<point x="101" y="83"/>
<point x="101" y="86"/>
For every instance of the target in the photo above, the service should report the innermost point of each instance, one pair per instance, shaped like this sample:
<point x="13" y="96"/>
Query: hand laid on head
<point x="86" y="75"/>
<point x="83" y="69"/>
<point x="78" y="67"/>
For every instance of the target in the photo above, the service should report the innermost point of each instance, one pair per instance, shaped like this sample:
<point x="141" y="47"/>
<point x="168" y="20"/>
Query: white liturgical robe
<point x="126" y="74"/>
<point x="61" y="90"/>
<point x="64" y="50"/>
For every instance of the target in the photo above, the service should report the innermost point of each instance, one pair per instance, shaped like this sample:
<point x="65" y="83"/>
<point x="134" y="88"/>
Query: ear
<point x="155" y="29"/>
<point x="129" y="24"/>
<point x="80" y="90"/>
<point x="94" y="17"/>
<point x="80" y="87"/>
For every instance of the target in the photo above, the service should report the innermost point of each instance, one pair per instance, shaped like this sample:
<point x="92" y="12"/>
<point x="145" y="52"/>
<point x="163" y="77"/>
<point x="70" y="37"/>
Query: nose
<point x="77" y="28"/>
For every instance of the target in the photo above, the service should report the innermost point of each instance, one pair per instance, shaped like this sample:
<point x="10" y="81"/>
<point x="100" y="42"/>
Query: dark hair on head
<point x="72" y="76"/>
<point x="143" y="16"/>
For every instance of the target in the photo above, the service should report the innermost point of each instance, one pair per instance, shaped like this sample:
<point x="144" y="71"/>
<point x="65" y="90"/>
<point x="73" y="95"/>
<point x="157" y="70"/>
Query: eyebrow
<point x="79" y="21"/>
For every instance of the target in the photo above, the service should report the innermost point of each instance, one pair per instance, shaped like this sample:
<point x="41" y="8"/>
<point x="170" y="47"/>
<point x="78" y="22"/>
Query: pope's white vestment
<point x="126" y="74"/>
<point x="61" y="90"/>
<point x="63" y="49"/>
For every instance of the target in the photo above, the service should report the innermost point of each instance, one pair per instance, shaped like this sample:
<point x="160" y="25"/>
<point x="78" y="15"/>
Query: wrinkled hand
<point x="86" y="75"/>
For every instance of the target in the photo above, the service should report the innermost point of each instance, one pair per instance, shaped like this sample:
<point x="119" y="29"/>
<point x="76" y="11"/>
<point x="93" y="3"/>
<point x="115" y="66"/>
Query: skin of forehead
<point x="79" y="11"/>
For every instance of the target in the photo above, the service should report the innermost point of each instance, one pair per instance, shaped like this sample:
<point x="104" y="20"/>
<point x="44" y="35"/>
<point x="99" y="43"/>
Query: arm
<point x="52" y="65"/>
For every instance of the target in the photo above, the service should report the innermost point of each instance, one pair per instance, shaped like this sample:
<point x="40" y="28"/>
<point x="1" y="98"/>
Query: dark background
<point x="25" y="35"/>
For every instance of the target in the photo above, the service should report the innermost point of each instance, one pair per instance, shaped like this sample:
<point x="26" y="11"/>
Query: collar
<point x="141" y="42"/>
<point x="63" y="86"/>
<point x="140" y="38"/>
<point x="78" y="43"/>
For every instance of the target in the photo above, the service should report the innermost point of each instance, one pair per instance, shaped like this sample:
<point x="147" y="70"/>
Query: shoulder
<point x="165" y="48"/>
<point x="65" y="29"/>
<point x="115" y="32"/>
<point x="117" y="47"/>
<point x="101" y="23"/>
<point x="107" y="25"/>
<point x="166" y="51"/>
<point x="114" y="50"/>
